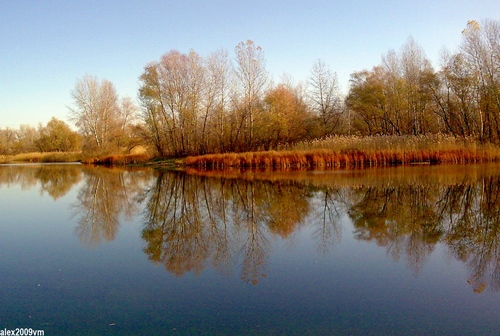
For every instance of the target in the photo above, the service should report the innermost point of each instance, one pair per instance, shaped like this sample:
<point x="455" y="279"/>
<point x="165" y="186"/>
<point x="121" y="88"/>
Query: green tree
<point x="368" y="102"/>
<point x="57" y="136"/>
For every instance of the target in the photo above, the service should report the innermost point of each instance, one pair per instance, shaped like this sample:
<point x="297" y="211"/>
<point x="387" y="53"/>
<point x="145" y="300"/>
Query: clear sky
<point x="46" y="46"/>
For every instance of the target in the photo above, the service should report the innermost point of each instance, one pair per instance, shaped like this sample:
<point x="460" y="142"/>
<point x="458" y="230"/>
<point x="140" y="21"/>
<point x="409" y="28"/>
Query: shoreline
<point x="332" y="159"/>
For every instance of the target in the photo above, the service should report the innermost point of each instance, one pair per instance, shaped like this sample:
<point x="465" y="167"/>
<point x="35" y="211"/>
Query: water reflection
<point x="105" y="196"/>
<point x="230" y="221"/>
<point x="192" y="222"/>
<point x="57" y="180"/>
<point x="408" y="211"/>
<point x="471" y="225"/>
<point x="409" y="220"/>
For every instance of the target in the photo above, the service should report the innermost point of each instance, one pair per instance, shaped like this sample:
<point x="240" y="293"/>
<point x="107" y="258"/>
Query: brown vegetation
<point x="42" y="157"/>
<point x="352" y="152"/>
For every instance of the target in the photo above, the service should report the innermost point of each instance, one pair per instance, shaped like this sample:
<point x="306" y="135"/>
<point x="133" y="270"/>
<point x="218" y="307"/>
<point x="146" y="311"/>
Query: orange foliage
<point x="325" y="159"/>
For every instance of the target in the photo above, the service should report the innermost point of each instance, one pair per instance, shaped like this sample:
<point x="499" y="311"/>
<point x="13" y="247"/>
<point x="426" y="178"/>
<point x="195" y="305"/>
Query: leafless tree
<point x="325" y="97"/>
<point x="96" y="112"/>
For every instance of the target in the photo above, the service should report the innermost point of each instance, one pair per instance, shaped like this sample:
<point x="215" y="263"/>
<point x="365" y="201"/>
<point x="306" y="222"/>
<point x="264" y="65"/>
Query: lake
<point x="388" y="251"/>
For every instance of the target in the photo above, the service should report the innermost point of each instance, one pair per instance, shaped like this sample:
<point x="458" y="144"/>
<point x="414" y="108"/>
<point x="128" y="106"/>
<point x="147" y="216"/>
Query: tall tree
<point x="284" y="118"/>
<point x="8" y="139"/>
<point x="455" y="94"/>
<point x="26" y="138"/>
<point x="158" y="131"/>
<point x="368" y="102"/>
<point x="218" y="90"/>
<point x="253" y="76"/>
<point x="96" y="112"/>
<point x="481" y="49"/>
<point x="417" y="73"/>
<point x="325" y="97"/>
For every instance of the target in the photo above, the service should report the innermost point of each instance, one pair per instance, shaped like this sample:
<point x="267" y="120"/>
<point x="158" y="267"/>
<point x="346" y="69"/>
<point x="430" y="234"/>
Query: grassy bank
<point x="352" y="152"/>
<point x="42" y="157"/>
<point x="114" y="159"/>
<point x="118" y="159"/>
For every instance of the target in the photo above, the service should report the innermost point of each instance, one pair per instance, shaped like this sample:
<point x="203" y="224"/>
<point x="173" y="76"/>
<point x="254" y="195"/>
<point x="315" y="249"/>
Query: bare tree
<point x="220" y="83"/>
<point x="416" y="73"/>
<point x="158" y="131"/>
<point x="325" y="97"/>
<point x="481" y="48"/>
<point x="96" y="112"/>
<point x="253" y="77"/>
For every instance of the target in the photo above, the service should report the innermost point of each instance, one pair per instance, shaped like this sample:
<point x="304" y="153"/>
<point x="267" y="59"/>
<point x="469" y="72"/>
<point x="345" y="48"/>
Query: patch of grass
<point x="163" y="163"/>
<point x="122" y="159"/>
<point x="62" y="157"/>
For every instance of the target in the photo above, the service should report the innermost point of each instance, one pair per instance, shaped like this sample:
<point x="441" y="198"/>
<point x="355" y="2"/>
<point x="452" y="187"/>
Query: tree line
<point x="55" y="136"/>
<point x="405" y="95"/>
<point x="194" y="105"/>
<point x="189" y="104"/>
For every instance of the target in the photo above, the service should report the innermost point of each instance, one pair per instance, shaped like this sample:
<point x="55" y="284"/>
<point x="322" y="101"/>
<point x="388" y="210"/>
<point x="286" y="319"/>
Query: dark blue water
<point x="113" y="251"/>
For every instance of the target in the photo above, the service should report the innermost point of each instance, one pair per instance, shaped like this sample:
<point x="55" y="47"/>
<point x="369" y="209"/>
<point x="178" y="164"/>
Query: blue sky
<point x="46" y="46"/>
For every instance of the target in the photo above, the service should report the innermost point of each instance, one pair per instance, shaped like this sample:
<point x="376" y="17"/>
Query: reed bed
<point x="357" y="152"/>
<point x="38" y="157"/>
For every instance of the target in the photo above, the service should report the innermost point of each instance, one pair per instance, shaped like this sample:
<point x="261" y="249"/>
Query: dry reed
<point x="357" y="152"/>
<point x="37" y="157"/>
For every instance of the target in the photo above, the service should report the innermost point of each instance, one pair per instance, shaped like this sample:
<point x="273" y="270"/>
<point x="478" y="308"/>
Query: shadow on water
<point x="195" y="220"/>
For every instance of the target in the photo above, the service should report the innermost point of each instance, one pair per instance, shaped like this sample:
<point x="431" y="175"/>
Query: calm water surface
<point x="407" y="250"/>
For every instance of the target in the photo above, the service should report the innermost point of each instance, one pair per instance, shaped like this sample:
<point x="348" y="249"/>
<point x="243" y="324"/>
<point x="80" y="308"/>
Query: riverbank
<point x="68" y="157"/>
<point x="38" y="157"/>
<point x="357" y="152"/>
<point x="327" y="153"/>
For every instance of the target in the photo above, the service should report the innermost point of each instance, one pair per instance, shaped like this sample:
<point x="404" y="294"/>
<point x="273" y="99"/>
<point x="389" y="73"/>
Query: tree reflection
<point x="401" y="218"/>
<point x="412" y="219"/>
<point x="55" y="179"/>
<point x="175" y="232"/>
<point x="58" y="180"/>
<point x="106" y="194"/>
<point x="193" y="221"/>
<point x="25" y="176"/>
<point x="473" y="217"/>
<point x="331" y="207"/>
<point x="249" y="220"/>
